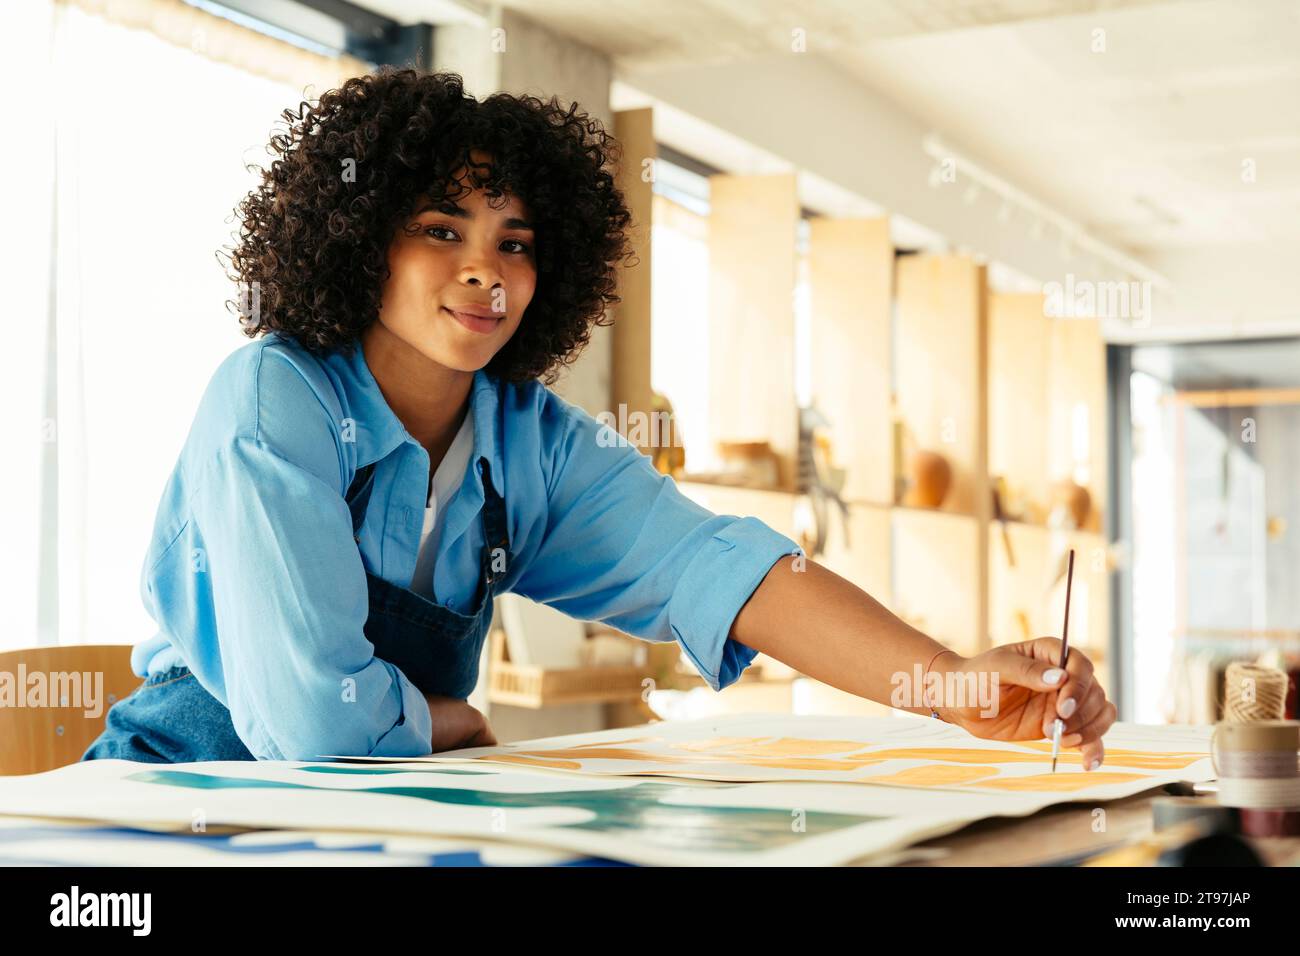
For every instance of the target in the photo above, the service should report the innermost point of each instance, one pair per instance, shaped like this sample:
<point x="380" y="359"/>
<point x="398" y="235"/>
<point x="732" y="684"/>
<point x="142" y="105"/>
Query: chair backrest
<point x="53" y="701"/>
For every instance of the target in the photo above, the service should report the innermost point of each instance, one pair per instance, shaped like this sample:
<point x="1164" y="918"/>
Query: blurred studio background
<point x="940" y="288"/>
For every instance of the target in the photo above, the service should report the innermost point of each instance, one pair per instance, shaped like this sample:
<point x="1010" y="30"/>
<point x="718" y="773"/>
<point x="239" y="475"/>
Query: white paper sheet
<point x="649" y="821"/>
<point x="896" y="751"/>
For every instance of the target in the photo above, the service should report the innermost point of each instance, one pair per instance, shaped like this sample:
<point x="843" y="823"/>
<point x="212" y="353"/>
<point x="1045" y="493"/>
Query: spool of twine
<point x="1252" y="693"/>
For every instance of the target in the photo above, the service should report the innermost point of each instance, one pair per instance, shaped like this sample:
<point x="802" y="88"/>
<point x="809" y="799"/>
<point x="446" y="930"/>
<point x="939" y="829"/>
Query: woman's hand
<point x="457" y="725"/>
<point x="1029" y="693"/>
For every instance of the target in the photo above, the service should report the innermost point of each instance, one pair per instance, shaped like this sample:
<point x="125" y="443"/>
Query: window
<point x="131" y="172"/>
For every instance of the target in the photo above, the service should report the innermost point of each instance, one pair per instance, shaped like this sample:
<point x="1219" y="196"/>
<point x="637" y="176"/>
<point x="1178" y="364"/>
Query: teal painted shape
<point x="640" y="808"/>
<point x="382" y="770"/>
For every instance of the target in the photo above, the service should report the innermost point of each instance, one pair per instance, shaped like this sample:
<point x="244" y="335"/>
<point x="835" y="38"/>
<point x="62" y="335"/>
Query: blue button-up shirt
<point x="258" y="586"/>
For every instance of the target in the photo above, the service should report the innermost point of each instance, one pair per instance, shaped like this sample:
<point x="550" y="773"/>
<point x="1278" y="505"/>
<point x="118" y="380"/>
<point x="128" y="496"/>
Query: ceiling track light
<point x="1074" y="237"/>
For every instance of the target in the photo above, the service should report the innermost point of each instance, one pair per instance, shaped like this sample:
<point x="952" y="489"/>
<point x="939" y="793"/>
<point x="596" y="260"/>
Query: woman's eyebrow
<point x="459" y="212"/>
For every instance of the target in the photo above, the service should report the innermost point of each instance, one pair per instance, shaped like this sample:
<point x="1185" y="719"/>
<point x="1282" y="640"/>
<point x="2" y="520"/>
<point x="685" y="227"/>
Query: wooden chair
<point x="35" y="739"/>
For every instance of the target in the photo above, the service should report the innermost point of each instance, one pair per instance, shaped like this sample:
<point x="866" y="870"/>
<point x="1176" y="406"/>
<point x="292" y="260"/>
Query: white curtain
<point x="134" y="145"/>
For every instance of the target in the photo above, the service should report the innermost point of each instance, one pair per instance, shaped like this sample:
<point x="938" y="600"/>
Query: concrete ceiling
<point x="1179" y="139"/>
<point x="1145" y="143"/>
<point x="644" y="34"/>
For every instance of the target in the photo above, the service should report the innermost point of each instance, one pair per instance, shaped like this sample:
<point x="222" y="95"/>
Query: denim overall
<point x="172" y="718"/>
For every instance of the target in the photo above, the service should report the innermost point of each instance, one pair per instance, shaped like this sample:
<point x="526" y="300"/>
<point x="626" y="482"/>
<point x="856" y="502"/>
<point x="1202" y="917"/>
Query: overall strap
<point x="496" y="550"/>
<point x="358" y="496"/>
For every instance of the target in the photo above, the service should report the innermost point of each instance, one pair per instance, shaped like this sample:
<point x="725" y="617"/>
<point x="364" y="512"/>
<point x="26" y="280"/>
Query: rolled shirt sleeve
<point x="289" y="594"/>
<point x="623" y="545"/>
<point x="270" y="615"/>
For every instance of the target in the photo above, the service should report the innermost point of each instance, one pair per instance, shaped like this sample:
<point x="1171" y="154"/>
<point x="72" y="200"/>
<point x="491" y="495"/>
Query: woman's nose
<point x="480" y="274"/>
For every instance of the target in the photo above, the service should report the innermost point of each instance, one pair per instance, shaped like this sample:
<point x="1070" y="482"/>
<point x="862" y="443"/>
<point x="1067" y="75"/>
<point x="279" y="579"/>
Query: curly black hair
<point x="315" y="239"/>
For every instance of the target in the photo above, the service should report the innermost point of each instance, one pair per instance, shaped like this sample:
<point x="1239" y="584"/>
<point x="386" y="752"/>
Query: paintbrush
<point x="1058" y="727"/>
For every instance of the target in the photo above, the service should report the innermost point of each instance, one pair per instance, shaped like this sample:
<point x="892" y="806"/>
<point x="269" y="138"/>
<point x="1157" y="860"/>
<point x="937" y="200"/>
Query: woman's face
<point x="462" y="275"/>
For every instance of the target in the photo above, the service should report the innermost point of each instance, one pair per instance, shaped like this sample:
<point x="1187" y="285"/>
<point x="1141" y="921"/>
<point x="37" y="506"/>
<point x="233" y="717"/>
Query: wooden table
<point x="1059" y="832"/>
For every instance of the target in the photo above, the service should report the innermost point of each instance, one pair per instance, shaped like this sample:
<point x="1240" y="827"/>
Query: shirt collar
<point x="378" y="430"/>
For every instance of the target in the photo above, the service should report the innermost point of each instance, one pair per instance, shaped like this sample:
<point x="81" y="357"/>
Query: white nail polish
<point x="1068" y="707"/>
<point x="1094" y="765"/>
<point x="1053" y="676"/>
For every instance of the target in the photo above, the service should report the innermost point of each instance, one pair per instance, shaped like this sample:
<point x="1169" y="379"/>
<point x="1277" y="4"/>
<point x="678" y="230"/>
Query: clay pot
<point x="931" y="476"/>
<point x="1074" y="499"/>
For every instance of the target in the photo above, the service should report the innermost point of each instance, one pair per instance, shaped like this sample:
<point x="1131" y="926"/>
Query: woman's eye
<point x="522" y="246"/>
<point x="429" y="231"/>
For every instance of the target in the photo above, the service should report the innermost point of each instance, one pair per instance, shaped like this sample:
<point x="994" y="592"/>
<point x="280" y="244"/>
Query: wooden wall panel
<point x="630" y="361"/>
<point x="1034" y="587"/>
<point x="752" y="231"/>
<point x="1078" y="389"/>
<point x="865" y="558"/>
<point x="1019" y="356"/>
<point x="851" y="269"/>
<point x="940" y="367"/>
<point x="937" y="586"/>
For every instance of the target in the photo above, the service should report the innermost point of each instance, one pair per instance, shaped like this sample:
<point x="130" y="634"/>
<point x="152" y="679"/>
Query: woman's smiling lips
<point x="476" y="318"/>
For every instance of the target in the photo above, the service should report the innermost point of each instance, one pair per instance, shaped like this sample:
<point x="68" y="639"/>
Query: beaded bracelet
<point x="933" y="712"/>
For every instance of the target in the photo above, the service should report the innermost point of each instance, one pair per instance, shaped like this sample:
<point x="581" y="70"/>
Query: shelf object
<point x="535" y="687"/>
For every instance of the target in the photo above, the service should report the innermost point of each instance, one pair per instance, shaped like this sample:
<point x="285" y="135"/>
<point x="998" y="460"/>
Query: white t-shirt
<point x="446" y="480"/>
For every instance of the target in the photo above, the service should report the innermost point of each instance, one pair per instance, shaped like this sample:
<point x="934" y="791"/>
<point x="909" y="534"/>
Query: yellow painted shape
<point x="935" y="775"/>
<point x="600" y="745"/>
<point x="802" y="763"/>
<point x="613" y="753"/>
<point x="793" y="747"/>
<point x="715" y="743"/>
<point x="1059" y="782"/>
<point x="953" y="755"/>
<point x="1135" y="759"/>
<point x="1046" y="747"/>
<point x="534" y="761"/>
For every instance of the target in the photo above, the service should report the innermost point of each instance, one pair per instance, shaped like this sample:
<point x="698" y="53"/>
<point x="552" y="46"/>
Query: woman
<point x="363" y="477"/>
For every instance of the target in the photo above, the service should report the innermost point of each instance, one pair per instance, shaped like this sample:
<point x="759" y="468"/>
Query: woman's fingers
<point x="1094" y="752"/>
<point x="1090" y="709"/>
<point x="1078" y="683"/>
<point x="1025" y="665"/>
<point x="1073" y="691"/>
<point x="1089" y="738"/>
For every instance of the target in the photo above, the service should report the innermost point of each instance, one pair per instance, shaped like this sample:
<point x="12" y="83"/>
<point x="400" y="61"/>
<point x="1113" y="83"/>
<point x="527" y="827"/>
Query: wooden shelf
<point x="520" y="685"/>
<point x="940" y="512"/>
<point x="988" y="380"/>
